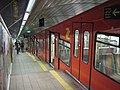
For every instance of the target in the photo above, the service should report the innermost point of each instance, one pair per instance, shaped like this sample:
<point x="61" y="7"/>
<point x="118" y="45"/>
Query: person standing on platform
<point x="22" y="46"/>
<point x="17" y="46"/>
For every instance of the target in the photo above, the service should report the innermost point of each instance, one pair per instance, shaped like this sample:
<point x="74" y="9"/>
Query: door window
<point x="76" y="35"/>
<point x="86" y="39"/>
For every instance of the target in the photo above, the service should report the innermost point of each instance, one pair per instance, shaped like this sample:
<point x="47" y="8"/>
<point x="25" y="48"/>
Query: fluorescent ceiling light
<point x="28" y="10"/>
<point x="23" y="23"/>
<point x="30" y="5"/>
<point x="26" y="16"/>
<point x="22" y="26"/>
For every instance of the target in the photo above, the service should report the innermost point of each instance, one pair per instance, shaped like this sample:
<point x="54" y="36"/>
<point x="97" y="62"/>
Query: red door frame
<point x="56" y="59"/>
<point x="84" y="70"/>
<point x="75" y="60"/>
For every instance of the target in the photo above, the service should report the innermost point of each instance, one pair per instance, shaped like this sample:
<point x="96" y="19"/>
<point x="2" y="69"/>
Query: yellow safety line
<point x="28" y="54"/>
<point x="42" y="66"/>
<point x="40" y="63"/>
<point x="62" y="82"/>
<point x="54" y="73"/>
<point x="31" y="56"/>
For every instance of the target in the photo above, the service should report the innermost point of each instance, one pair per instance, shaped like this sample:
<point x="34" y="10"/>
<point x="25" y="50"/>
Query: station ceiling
<point x="53" y="12"/>
<point x="12" y="12"/>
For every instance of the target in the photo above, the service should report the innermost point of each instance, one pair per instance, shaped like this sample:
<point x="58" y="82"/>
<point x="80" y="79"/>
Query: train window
<point x="41" y="45"/>
<point x="64" y="52"/>
<point x="38" y="45"/>
<point x="107" y="56"/>
<point x="86" y="47"/>
<point x="76" y="43"/>
<point x="108" y="39"/>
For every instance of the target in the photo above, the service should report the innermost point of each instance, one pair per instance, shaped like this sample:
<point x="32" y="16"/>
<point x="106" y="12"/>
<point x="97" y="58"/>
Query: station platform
<point x="31" y="73"/>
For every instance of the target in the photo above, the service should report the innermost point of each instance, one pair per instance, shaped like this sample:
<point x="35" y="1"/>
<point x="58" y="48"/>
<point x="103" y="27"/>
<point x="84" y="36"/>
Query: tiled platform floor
<point x="28" y="75"/>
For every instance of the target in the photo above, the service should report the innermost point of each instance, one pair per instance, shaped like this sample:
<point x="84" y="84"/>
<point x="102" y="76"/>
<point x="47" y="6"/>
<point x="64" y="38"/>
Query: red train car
<point x="87" y="46"/>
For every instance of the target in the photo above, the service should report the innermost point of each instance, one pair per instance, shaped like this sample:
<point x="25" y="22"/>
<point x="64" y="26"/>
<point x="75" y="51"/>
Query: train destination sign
<point x="112" y="12"/>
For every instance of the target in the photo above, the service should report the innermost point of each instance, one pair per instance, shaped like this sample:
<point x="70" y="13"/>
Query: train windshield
<point x="107" y="56"/>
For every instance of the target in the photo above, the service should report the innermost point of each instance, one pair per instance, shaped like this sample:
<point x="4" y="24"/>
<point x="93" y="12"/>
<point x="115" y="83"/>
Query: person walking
<point x="17" y="46"/>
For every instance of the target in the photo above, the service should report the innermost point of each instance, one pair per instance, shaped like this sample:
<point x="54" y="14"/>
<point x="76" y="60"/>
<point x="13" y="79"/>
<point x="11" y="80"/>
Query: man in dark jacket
<point x="22" y="46"/>
<point x="17" y="46"/>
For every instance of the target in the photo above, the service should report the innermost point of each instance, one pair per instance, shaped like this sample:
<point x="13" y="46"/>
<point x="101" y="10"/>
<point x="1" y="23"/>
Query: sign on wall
<point x="112" y="12"/>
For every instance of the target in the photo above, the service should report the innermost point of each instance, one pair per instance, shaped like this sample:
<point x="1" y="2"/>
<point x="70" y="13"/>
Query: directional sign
<point x="41" y="22"/>
<point x="112" y="12"/>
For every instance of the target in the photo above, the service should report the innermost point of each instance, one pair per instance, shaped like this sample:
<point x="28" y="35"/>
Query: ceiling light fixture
<point x="26" y="15"/>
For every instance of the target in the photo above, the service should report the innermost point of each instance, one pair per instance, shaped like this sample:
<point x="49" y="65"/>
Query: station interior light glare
<point x="23" y="23"/>
<point x="28" y="31"/>
<point x="26" y="15"/>
<point x="30" y="5"/>
<point x="22" y="26"/>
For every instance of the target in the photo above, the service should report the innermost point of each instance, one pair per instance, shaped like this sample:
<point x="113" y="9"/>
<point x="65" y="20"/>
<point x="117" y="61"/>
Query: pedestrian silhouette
<point x="17" y="46"/>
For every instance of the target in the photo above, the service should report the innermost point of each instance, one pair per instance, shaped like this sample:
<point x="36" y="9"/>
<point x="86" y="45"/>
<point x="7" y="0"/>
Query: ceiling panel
<point x="56" y="11"/>
<point x="12" y="12"/>
<point x="53" y="11"/>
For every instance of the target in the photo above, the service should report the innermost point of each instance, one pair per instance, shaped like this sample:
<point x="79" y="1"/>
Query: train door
<point x="47" y="45"/>
<point x="52" y="48"/>
<point x="82" y="48"/>
<point x="86" y="48"/>
<point x="76" y="51"/>
<point x="57" y="61"/>
<point x="36" y="46"/>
